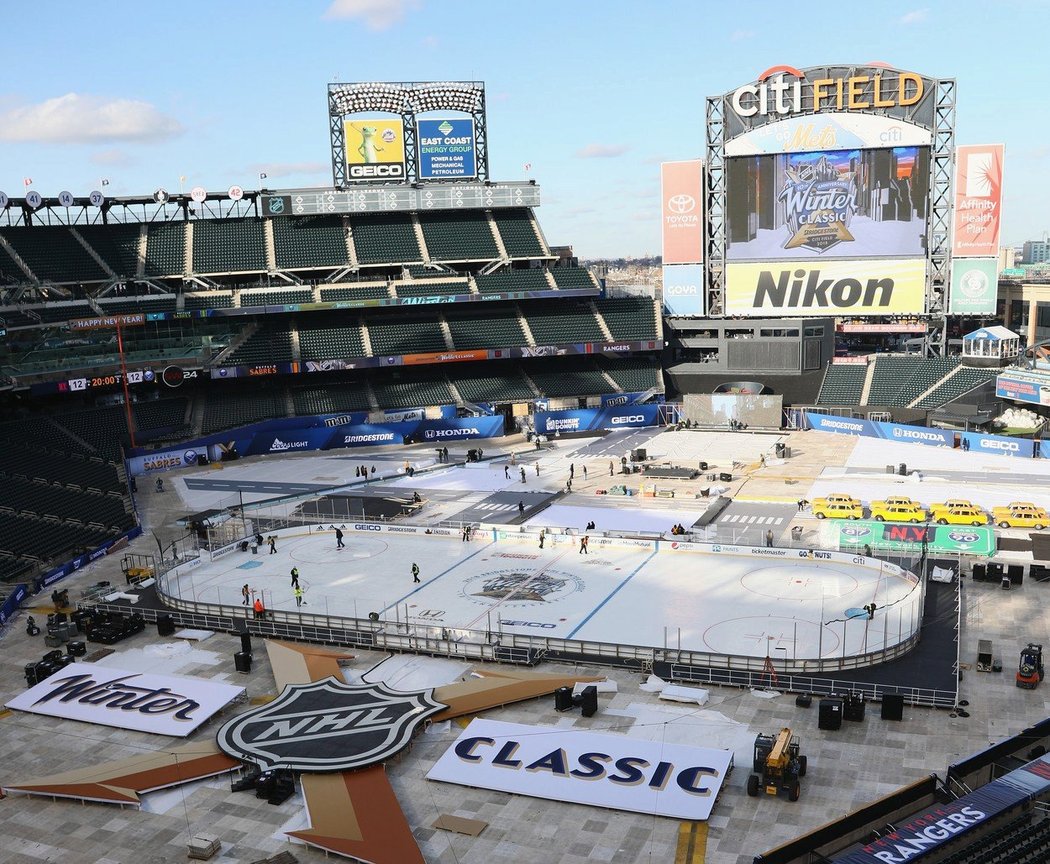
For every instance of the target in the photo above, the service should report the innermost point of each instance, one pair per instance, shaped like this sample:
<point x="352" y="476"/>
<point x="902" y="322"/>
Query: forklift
<point x="777" y="766"/>
<point x="1030" y="668"/>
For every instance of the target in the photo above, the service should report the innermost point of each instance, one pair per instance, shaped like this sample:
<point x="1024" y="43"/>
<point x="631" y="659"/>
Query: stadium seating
<point x="10" y="272"/>
<point x="1022" y="840"/>
<point x="47" y="540"/>
<point x="569" y="377"/>
<point x="375" y="291"/>
<point x="160" y="413"/>
<point x="633" y="374"/>
<point x="628" y="318"/>
<point x="320" y="341"/>
<point x="961" y="382"/>
<point x="562" y="322"/>
<point x="503" y="383"/>
<point x="279" y="297"/>
<point x="458" y="235"/>
<point x="54" y="254"/>
<point x="212" y="300"/>
<point x="226" y="408"/>
<point x="432" y="289"/>
<point x="14" y="569"/>
<point x="42" y="500"/>
<point x="139" y="304"/>
<point x="505" y="281"/>
<point x="166" y="249"/>
<point x="75" y="470"/>
<point x="398" y="335"/>
<point x="412" y="391"/>
<point x="574" y="277"/>
<point x="116" y="244"/>
<point x="53" y="312"/>
<point x="385" y="238"/>
<point x="899" y="380"/>
<point x="228" y="246"/>
<point x="843" y="384"/>
<point x="16" y="317"/>
<point x="518" y="234"/>
<point x="269" y="344"/>
<point x="330" y="399"/>
<point x="310" y="241"/>
<point x="496" y="329"/>
<point x="103" y="429"/>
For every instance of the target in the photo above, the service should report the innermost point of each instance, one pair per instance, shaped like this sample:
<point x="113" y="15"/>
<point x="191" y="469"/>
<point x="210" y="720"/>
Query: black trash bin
<point x="165" y="625"/>
<point x="246" y="643"/>
<point x="242" y="661"/>
<point x="562" y="699"/>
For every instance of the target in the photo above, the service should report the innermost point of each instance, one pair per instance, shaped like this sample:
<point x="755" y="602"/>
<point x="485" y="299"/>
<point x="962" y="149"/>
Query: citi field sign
<point x="782" y="91"/>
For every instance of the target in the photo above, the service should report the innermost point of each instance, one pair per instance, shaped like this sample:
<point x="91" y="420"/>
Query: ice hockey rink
<point x="753" y="601"/>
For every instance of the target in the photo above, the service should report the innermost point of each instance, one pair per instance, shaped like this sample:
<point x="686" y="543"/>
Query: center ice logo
<point x="522" y="586"/>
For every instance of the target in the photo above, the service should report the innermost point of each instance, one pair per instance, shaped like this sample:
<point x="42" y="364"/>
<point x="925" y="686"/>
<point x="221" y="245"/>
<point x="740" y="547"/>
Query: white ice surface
<point x="626" y="518"/>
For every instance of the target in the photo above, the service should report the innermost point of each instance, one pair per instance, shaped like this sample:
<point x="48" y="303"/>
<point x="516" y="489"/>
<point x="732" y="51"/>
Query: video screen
<point x="827" y="204"/>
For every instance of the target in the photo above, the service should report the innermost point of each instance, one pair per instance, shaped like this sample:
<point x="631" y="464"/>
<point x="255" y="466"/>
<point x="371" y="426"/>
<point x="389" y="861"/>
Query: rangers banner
<point x="978" y="200"/>
<point x="840" y="287"/>
<point x="682" y="189"/>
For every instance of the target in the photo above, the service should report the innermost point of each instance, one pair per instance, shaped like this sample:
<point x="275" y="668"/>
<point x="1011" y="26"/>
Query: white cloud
<point x="377" y="14"/>
<point x="916" y="16"/>
<point x="602" y="151"/>
<point x="78" y="118"/>
<point x="112" y="156"/>
<point x="741" y="35"/>
<point x="285" y="169"/>
<point x="430" y="41"/>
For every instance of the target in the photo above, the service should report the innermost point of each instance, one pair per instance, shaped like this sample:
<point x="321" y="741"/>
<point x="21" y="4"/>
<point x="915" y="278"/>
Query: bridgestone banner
<point x="834" y="287"/>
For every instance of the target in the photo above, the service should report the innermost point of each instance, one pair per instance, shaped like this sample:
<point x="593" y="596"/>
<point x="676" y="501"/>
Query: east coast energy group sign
<point x="614" y="771"/>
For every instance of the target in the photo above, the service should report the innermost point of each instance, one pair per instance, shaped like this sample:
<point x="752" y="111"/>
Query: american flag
<point x="27" y="182"/>
<point x="528" y="167"/>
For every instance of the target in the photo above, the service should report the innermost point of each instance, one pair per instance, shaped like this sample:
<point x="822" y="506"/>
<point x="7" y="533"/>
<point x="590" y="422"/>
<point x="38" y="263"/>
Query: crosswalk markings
<point x="752" y="520"/>
<point x="692" y="843"/>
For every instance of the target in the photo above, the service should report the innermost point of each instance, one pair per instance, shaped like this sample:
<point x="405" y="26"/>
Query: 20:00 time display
<point x="104" y="381"/>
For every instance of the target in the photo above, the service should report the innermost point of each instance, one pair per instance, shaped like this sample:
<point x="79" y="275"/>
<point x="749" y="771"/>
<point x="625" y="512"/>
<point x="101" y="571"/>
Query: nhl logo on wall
<point x="328" y="726"/>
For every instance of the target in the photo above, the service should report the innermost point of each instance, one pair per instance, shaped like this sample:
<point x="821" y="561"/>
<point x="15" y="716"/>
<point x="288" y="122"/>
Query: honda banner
<point x="978" y="200"/>
<point x="682" y="190"/>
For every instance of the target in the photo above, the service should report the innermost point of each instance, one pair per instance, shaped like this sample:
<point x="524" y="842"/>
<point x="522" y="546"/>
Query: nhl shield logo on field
<point x="328" y="726"/>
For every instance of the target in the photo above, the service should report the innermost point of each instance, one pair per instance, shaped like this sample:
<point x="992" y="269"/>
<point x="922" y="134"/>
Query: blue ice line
<point x="615" y="590"/>
<point x="430" y="581"/>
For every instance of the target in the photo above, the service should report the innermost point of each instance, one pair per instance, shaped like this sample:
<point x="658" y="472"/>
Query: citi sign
<point x="785" y="90"/>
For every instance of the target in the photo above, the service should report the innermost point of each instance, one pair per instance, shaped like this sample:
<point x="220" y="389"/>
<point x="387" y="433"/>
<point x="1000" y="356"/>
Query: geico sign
<point x="807" y="289"/>
<point x="1009" y="446"/>
<point x="628" y="418"/>
<point x="389" y="171"/>
<point x="785" y="90"/>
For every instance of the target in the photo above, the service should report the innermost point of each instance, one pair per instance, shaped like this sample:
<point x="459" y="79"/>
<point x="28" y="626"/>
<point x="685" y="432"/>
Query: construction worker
<point x="415" y="572"/>
<point x="298" y="592"/>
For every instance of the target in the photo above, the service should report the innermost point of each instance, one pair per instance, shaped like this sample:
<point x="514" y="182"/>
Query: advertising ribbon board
<point x="161" y="704"/>
<point x="615" y="771"/>
<point x="1023" y="389"/>
<point x="833" y="287"/>
<point x="898" y="537"/>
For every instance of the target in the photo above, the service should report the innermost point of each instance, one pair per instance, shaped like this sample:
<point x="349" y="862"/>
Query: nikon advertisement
<point x="784" y="288"/>
<point x="827" y="204"/>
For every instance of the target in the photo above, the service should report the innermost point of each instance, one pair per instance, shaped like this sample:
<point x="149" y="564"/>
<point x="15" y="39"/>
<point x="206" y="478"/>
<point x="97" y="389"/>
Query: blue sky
<point x="594" y="94"/>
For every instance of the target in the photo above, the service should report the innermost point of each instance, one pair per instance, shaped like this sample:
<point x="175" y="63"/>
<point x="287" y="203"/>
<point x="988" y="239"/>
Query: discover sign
<point x="161" y="704"/>
<point x="614" y="771"/>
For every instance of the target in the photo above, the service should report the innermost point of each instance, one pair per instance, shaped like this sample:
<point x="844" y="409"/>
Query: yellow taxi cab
<point x="1020" y="514"/>
<point x="962" y="516"/>
<point x="884" y="511"/>
<point x="935" y="509"/>
<point x="834" y="498"/>
<point x="828" y="509"/>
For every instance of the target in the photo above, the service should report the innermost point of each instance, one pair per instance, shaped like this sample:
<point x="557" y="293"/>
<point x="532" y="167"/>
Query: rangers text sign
<point x="613" y="771"/>
<point x="162" y="704"/>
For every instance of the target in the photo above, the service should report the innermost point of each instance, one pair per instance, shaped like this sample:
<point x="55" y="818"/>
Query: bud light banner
<point x="593" y="419"/>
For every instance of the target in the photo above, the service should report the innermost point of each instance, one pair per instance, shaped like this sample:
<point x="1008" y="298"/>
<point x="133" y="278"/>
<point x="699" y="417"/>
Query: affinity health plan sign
<point x="161" y="704"/>
<point x="613" y="771"/>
